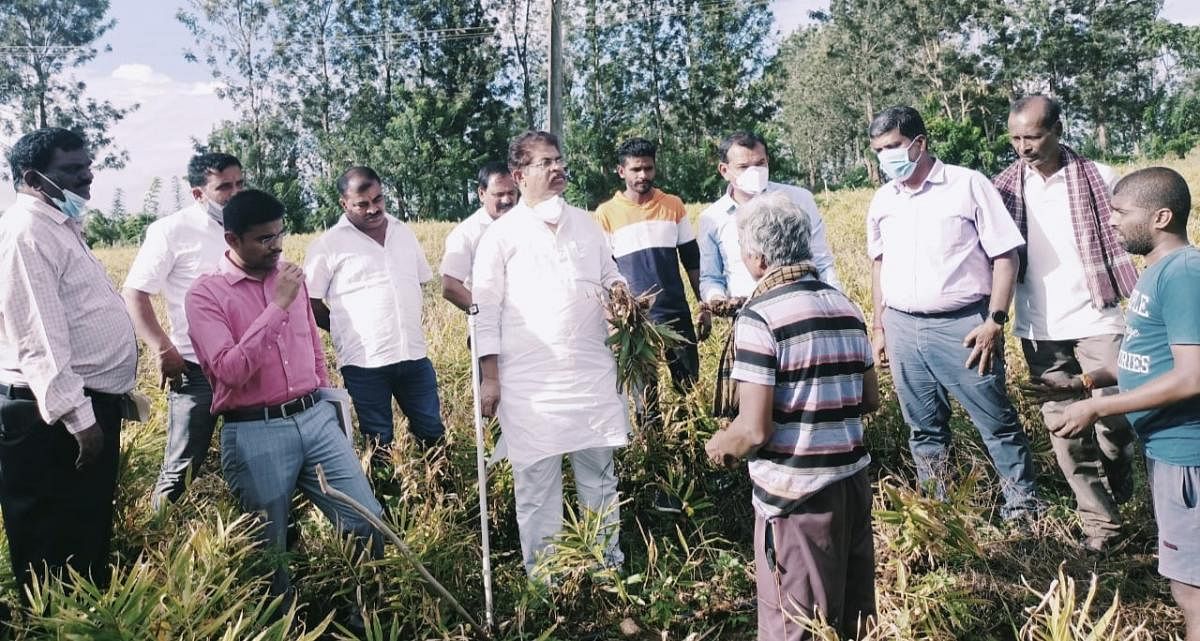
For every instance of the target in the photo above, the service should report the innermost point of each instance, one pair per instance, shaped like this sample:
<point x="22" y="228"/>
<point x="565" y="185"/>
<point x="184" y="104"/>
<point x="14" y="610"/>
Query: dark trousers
<point x="55" y="515"/>
<point x="414" y="386"/>
<point x="820" y="557"/>
<point x="190" y="425"/>
<point x="683" y="363"/>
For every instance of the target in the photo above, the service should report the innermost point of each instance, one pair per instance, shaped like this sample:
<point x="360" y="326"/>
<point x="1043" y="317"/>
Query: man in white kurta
<point x="541" y="275"/>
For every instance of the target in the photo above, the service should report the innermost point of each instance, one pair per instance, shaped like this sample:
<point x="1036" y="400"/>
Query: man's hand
<point x="1076" y="419"/>
<point x="170" y="366"/>
<point x="489" y="397"/>
<point x="716" y="453"/>
<point x="703" y="322"/>
<point x="287" y="284"/>
<point x="879" y="346"/>
<point x="91" y="444"/>
<point x="1054" y="388"/>
<point x="985" y="341"/>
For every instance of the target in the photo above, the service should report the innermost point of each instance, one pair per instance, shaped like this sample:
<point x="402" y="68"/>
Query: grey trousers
<point x="1097" y="464"/>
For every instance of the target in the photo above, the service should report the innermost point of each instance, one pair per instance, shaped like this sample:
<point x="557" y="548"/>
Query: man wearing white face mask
<point x="177" y="249"/>
<point x="68" y="358"/>
<point x="744" y="165"/>
<point x="944" y="252"/>
<point x="540" y="277"/>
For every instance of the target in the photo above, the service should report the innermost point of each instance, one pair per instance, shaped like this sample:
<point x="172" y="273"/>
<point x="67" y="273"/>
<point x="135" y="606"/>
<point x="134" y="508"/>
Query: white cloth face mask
<point x="752" y="180"/>
<point x="549" y="211"/>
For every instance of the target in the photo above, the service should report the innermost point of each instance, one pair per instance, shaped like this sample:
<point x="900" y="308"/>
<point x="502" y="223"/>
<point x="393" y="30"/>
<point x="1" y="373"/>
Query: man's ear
<point x="197" y="194"/>
<point x="1163" y="219"/>
<point x="232" y="239"/>
<point x="723" y="169"/>
<point x="32" y="179"/>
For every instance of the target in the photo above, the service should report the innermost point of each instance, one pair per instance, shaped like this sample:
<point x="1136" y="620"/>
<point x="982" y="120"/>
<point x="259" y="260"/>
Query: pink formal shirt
<point x="253" y="352"/>
<point x="937" y="241"/>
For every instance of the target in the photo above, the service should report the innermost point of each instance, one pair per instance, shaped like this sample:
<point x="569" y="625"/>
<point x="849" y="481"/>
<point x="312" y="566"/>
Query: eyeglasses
<point x="271" y="239"/>
<point x="547" y="163"/>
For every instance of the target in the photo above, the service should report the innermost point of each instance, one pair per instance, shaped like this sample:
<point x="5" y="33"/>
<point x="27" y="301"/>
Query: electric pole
<point x="554" y="97"/>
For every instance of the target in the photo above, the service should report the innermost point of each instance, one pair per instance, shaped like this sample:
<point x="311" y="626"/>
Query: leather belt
<point x="284" y="410"/>
<point x="23" y="393"/>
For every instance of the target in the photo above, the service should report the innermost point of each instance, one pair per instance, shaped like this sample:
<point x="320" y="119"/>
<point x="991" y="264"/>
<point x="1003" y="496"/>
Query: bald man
<point x="1073" y="276"/>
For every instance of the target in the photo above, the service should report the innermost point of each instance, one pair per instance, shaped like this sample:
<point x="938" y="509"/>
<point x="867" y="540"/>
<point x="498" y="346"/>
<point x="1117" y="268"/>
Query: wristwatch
<point x="999" y="317"/>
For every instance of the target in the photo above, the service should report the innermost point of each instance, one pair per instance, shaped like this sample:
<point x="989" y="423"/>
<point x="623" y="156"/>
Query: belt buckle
<point x="283" y="410"/>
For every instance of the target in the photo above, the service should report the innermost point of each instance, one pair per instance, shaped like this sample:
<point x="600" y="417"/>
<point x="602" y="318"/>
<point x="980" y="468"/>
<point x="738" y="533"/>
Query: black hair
<point x="636" y="148"/>
<point x="1053" y="108"/>
<point x="489" y="169"/>
<point x="201" y="165"/>
<point x="747" y="139"/>
<point x="906" y="119"/>
<point x="360" y="171"/>
<point x="519" y="154"/>
<point x="249" y="208"/>
<point x="35" y="150"/>
<point x="1157" y="188"/>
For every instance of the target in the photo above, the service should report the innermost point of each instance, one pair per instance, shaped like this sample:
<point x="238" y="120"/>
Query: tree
<point x="177" y="192"/>
<point x="150" y="206"/>
<point x="41" y="41"/>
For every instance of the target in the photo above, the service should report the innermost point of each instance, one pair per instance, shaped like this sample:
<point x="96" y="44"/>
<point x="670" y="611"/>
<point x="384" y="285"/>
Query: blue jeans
<point x="414" y="386"/>
<point x="265" y="462"/>
<point x="190" y="425"/>
<point x="927" y="363"/>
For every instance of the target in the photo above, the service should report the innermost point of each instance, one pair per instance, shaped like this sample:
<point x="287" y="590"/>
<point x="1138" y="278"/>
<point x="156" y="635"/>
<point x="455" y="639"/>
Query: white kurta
<point x="540" y="296"/>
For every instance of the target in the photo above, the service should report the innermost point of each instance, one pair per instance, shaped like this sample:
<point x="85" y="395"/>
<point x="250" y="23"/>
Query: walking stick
<point x="481" y="469"/>
<point x="378" y="524"/>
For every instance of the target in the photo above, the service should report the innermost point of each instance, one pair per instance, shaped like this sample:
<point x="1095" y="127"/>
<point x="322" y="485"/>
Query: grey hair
<point x="774" y="227"/>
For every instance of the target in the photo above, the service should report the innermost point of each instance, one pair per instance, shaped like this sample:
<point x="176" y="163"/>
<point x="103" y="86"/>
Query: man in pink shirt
<point x="945" y="258"/>
<point x="258" y="344"/>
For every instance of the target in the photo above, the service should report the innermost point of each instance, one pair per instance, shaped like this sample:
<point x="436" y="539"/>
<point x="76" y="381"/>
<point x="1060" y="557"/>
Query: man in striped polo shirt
<point x="798" y="372"/>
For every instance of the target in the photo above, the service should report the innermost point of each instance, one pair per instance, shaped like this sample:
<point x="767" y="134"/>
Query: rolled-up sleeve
<point x="713" y="283"/>
<point x="488" y="278"/>
<point x="36" y="321"/>
<point x="150" y="268"/>
<point x="232" y="362"/>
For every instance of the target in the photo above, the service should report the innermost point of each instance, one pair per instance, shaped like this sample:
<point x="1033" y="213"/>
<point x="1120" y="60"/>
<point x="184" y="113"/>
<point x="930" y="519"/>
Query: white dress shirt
<point x="461" y="245"/>
<point x="178" y="248"/>
<point x="373" y="292"/>
<point x="540" y="294"/>
<point x="937" y="241"/>
<point x="1053" y="302"/>
<point x="63" y="327"/>
<point x="722" y="272"/>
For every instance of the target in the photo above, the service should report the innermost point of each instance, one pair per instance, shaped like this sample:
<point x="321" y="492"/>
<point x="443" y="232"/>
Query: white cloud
<point x="158" y="135"/>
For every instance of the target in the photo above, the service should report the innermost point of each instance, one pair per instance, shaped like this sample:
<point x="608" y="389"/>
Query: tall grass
<point x="945" y="571"/>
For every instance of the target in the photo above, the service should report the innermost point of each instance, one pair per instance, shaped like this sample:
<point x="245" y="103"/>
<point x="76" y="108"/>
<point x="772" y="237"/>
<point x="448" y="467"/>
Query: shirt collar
<point x="345" y="224"/>
<point x="232" y="273"/>
<point x="198" y="212"/>
<point x="38" y="205"/>
<point x="655" y="193"/>
<point x="936" y="176"/>
<point x="1030" y="172"/>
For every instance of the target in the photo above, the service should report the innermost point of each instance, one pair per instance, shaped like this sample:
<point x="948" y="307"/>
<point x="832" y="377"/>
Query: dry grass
<point x="943" y="573"/>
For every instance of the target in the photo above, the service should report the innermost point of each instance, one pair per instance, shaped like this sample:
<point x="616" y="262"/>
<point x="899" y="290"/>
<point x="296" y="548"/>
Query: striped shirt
<point x="808" y="341"/>
<point x="63" y="327"/>
<point x="648" y="242"/>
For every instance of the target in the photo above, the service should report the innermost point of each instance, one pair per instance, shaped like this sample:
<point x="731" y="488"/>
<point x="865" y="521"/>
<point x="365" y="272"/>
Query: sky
<point x="178" y="101"/>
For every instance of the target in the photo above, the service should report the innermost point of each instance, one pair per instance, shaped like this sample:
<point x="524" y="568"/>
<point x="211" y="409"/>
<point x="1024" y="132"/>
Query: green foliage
<point x="41" y="42"/>
<point x="1059" y="616"/>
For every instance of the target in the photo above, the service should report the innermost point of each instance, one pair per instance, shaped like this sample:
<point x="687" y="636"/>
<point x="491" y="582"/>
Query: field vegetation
<point x="945" y="570"/>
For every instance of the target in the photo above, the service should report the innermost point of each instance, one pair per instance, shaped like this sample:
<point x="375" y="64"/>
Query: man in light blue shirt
<point x="744" y="165"/>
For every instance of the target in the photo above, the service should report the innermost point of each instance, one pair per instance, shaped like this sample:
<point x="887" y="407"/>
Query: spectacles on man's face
<point x="269" y="240"/>
<point x="546" y="164"/>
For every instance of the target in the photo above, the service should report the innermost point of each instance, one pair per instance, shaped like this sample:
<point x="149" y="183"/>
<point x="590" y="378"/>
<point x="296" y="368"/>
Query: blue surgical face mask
<point x="895" y="162"/>
<point x="71" y="204"/>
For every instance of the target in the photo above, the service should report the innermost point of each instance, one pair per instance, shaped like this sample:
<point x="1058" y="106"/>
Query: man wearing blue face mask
<point x="744" y="165"/>
<point x="944" y="251"/>
<point x="67" y="360"/>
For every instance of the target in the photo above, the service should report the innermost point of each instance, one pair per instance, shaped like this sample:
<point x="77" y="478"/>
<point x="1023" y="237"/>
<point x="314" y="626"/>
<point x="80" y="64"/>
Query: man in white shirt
<point x="1074" y="274"/>
<point x="541" y="275"/>
<point x="364" y="276"/>
<point x="744" y="165"/>
<point x="68" y="357"/>
<point x="497" y="194"/>
<point x="177" y="249"/>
